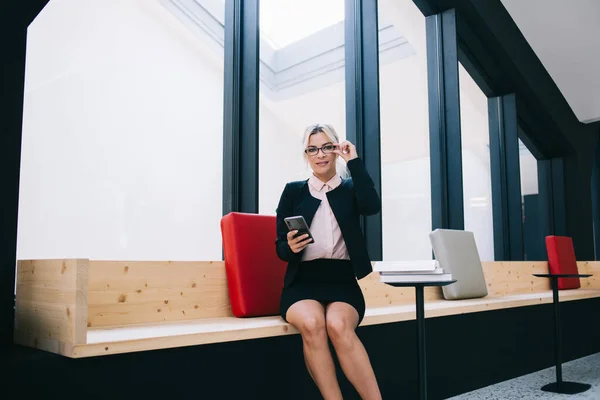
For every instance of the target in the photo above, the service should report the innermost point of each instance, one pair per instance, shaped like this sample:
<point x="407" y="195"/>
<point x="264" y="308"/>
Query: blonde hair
<point x="332" y="135"/>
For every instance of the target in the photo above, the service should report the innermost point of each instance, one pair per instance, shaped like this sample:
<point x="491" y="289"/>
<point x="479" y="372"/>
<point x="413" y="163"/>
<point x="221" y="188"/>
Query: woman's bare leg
<point x="308" y="316"/>
<point x="341" y="320"/>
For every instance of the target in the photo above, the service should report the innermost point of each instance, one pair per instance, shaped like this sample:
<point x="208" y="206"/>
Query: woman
<point x="321" y="295"/>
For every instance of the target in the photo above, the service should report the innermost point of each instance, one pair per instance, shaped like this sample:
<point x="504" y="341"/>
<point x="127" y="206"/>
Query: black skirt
<point x="326" y="281"/>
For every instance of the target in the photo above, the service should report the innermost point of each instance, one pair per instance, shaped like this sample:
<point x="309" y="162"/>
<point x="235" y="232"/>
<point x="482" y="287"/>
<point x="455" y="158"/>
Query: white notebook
<point x="416" y="278"/>
<point x="436" y="271"/>
<point x="406" y="266"/>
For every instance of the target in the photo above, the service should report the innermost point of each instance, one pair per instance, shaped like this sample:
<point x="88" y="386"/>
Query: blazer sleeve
<point x="284" y="210"/>
<point x="367" y="199"/>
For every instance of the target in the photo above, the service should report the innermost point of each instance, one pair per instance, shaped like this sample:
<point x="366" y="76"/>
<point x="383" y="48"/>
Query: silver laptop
<point x="457" y="254"/>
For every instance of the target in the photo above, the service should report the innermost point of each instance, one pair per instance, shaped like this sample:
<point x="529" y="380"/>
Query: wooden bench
<point x="84" y="308"/>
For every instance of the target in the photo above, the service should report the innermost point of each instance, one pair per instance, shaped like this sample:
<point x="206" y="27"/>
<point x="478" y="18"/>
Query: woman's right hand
<point x="297" y="244"/>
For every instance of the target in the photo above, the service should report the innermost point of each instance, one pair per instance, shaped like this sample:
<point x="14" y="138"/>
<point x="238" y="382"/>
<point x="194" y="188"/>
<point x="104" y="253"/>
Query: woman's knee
<point x="312" y="327"/>
<point x="340" y="329"/>
<point x="341" y="320"/>
<point x="309" y="319"/>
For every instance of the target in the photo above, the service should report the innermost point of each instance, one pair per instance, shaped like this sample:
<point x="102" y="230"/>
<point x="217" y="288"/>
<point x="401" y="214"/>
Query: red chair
<point x="562" y="260"/>
<point x="254" y="272"/>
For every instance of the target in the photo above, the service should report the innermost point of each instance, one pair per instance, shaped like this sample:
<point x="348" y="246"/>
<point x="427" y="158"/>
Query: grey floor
<point x="583" y="370"/>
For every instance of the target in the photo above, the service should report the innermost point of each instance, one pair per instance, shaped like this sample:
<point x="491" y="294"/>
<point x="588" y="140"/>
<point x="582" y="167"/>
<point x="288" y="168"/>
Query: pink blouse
<point x="326" y="232"/>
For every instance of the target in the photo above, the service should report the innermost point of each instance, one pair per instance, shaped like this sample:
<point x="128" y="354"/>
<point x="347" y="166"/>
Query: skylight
<point x="283" y="22"/>
<point x="301" y="42"/>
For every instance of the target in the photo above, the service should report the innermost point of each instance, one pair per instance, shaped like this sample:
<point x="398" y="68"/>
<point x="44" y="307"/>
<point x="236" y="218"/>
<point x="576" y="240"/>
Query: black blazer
<point x="355" y="196"/>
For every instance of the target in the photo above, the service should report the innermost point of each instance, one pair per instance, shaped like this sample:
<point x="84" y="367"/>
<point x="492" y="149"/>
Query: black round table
<point x="420" y="306"/>
<point x="561" y="386"/>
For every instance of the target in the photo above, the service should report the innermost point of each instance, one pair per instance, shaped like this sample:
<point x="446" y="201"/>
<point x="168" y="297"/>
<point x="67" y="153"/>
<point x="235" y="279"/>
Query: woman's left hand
<point x="346" y="150"/>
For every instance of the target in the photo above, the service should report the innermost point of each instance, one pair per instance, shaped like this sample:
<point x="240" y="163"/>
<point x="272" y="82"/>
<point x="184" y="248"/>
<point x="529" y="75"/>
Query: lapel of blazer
<point x="308" y="204"/>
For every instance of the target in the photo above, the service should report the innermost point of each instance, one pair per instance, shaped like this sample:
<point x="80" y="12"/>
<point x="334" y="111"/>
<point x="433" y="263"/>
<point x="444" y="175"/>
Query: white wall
<point x="122" y="136"/>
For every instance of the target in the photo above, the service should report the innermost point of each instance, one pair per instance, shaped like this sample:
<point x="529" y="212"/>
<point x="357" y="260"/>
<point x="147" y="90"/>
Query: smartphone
<point x="299" y="223"/>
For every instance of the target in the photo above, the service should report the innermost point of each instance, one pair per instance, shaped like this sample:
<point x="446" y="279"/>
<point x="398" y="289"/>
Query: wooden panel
<point x="151" y="298"/>
<point x="441" y="308"/>
<point x="115" y="341"/>
<point x="51" y="304"/>
<point x="501" y="277"/>
<point x="125" y="293"/>
<point x="589" y="267"/>
<point x="137" y="292"/>
<point x="41" y="342"/>
<point x="231" y="329"/>
<point x="379" y="294"/>
<point x="514" y="277"/>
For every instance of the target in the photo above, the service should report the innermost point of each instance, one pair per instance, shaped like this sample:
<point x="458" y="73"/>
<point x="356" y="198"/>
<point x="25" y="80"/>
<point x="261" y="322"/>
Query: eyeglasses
<point x="326" y="149"/>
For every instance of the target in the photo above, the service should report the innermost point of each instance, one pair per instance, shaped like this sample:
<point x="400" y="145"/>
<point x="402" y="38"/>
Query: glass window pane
<point x="405" y="169"/>
<point x="122" y="136"/>
<point x="533" y="239"/>
<point x="301" y="84"/>
<point x="477" y="184"/>
<point x="285" y="22"/>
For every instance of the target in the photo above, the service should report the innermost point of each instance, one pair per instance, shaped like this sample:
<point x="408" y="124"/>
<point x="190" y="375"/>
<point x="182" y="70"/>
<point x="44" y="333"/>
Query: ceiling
<point x="565" y="35"/>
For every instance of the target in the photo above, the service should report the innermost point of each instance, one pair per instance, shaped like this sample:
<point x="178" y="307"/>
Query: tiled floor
<point x="583" y="370"/>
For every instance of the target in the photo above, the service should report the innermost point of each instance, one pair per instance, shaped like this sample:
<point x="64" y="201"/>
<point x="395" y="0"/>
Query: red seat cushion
<point x="561" y="260"/>
<point x="254" y="272"/>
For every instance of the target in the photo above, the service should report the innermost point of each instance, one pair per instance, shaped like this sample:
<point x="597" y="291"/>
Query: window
<point x="285" y="22"/>
<point x="301" y="83"/>
<point x="122" y="138"/>
<point x="533" y="239"/>
<point x="477" y="184"/>
<point x="405" y="169"/>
